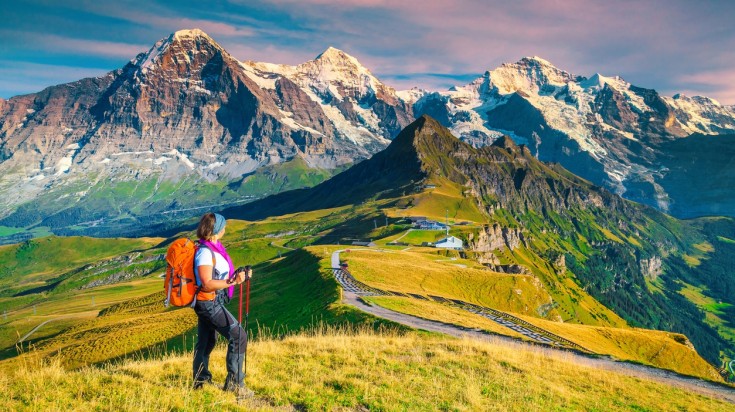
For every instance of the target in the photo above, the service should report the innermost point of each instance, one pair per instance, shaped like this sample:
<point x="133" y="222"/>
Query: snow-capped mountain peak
<point x="337" y="68"/>
<point x="528" y="74"/>
<point x="598" y="81"/>
<point x="702" y="100"/>
<point x="191" y="33"/>
<point x="334" y="56"/>
<point x="181" y="47"/>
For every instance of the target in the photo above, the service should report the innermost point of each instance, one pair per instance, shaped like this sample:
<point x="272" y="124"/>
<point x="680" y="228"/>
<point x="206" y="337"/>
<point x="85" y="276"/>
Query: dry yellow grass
<point x="348" y="371"/>
<point x="447" y="196"/>
<point x="656" y="348"/>
<point x="441" y="313"/>
<point x="113" y="334"/>
<point x="665" y="350"/>
<point x="416" y="272"/>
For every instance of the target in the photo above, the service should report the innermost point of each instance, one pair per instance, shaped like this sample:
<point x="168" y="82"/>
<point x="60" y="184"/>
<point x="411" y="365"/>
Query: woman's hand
<point x="242" y="274"/>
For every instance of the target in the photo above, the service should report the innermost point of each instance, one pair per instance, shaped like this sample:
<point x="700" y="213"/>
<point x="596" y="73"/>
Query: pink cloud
<point x="213" y="28"/>
<point x="56" y="43"/>
<point x="648" y="43"/>
<point x="718" y="84"/>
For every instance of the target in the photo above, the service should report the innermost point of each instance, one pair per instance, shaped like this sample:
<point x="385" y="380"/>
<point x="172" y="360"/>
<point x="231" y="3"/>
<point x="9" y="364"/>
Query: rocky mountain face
<point x="630" y="257"/>
<point x="601" y="128"/>
<point x="186" y="111"/>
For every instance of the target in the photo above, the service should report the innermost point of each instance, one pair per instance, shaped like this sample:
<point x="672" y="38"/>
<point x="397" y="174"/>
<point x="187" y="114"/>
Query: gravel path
<point x="354" y="289"/>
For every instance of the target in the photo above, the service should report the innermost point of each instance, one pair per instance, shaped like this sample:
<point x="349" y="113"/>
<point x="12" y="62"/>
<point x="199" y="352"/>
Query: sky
<point x="673" y="46"/>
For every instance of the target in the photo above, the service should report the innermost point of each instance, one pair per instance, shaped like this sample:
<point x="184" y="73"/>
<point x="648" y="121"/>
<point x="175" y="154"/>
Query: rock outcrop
<point x="652" y="267"/>
<point x="494" y="237"/>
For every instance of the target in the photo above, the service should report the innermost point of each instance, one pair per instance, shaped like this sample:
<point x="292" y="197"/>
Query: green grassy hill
<point x="88" y="326"/>
<point x="297" y="291"/>
<point x="35" y="262"/>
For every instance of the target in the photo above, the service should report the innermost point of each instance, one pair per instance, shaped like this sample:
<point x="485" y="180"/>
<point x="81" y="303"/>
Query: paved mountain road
<point x="32" y="331"/>
<point x="547" y="342"/>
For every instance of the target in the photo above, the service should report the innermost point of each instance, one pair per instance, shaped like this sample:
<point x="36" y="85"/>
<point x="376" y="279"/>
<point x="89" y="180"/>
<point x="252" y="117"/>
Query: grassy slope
<point x="289" y="294"/>
<point x="715" y="311"/>
<point x="33" y="262"/>
<point x="290" y="297"/>
<point x="298" y="292"/>
<point x="336" y="371"/>
<point x="572" y="302"/>
<point x="446" y="198"/>
<point x="429" y="273"/>
<point x="665" y="350"/>
<point x="422" y="273"/>
<point x="441" y="313"/>
<point x="66" y="310"/>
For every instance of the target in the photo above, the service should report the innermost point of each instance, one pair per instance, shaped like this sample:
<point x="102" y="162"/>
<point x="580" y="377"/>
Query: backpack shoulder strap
<point x="198" y="245"/>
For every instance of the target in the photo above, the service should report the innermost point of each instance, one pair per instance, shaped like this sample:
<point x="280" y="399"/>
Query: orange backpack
<point x="180" y="282"/>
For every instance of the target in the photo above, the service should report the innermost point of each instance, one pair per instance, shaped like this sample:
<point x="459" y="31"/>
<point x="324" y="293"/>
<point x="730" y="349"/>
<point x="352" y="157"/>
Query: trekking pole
<point x="239" y="316"/>
<point x="247" y="312"/>
<point x="239" y="341"/>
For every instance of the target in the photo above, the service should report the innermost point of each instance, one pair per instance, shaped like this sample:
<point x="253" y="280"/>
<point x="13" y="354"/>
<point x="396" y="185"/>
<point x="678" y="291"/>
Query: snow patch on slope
<point x="288" y="120"/>
<point x="182" y="158"/>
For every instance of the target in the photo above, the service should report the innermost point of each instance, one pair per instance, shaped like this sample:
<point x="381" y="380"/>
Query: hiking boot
<point x="241" y="392"/>
<point x="200" y="384"/>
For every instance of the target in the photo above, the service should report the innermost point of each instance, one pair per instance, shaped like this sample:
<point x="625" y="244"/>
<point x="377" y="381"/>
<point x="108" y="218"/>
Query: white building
<point x="450" y="242"/>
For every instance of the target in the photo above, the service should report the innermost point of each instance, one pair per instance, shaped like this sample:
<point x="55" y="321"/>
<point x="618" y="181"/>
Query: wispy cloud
<point x="24" y="77"/>
<point x="164" y="18"/>
<point x="428" y="81"/>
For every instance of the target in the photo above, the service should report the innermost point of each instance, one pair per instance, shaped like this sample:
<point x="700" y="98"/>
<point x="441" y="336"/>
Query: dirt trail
<point x="353" y="291"/>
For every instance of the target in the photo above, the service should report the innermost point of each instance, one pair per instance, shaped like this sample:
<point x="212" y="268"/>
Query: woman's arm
<point x="210" y="285"/>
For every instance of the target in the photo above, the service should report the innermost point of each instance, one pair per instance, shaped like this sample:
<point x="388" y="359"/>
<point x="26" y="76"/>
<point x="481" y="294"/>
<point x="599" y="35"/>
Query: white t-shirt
<point x="203" y="257"/>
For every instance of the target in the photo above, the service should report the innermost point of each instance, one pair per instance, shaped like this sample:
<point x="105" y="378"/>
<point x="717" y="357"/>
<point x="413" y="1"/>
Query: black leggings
<point x="214" y="317"/>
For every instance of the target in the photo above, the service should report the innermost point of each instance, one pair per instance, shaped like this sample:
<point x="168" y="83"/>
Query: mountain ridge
<point x="187" y="111"/>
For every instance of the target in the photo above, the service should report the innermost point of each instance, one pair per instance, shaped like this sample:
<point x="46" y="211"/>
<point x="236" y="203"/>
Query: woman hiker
<point x="217" y="277"/>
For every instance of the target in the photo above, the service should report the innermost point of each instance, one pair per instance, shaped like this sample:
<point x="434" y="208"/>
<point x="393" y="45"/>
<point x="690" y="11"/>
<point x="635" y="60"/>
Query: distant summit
<point x="603" y="128"/>
<point x="426" y="151"/>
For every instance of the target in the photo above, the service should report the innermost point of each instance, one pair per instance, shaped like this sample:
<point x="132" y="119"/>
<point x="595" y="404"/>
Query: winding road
<point x="544" y="341"/>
